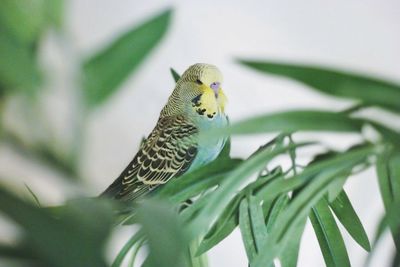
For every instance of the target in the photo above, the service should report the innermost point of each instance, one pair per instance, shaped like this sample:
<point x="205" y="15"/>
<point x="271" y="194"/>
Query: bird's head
<point x="199" y="89"/>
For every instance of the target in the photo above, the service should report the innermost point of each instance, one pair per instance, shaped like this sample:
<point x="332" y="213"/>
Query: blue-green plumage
<point x="209" y="149"/>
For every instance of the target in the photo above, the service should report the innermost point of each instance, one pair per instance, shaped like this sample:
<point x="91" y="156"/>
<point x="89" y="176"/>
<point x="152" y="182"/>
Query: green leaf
<point x="277" y="207"/>
<point x="35" y="198"/>
<point x="246" y="229"/>
<point x="252" y="225"/>
<point x="382" y="169"/>
<point x="258" y="226"/>
<point x="18" y="69"/>
<point x="347" y="216"/>
<point x="394" y="169"/>
<point x="319" y="176"/>
<point x="191" y="184"/>
<point x="335" y="82"/>
<point x="226" y="151"/>
<point x="396" y="259"/>
<point x="226" y="191"/>
<point x="291" y="121"/>
<point x="135" y="239"/>
<point x="390" y="219"/>
<point x="55" y="12"/>
<point x="135" y="252"/>
<point x="197" y="260"/>
<point x="16" y="252"/>
<point x="222" y="227"/>
<point x="228" y="220"/>
<point x="329" y="237"/>
<point x="336" y="188"/>
<point x="106" y="70"/>
<point x="174" y="74"/>
<point x="23" y="20"/>
<point x="280" y="186"/>
<point x="290" y="254"/>
<point x="388" y="172"/>
<point x="390" y="135"/>
<point x="168" y="240"/>
<point x="53" y="241"/>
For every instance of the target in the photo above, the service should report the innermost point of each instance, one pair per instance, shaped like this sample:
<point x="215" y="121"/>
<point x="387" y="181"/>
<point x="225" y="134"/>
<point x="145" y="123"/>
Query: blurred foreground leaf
<point x="167" y="238"/>
<point x="76" y="238"/>
<point x="106" y="70"/>
<point x="23" y="20"/>
<point x="22" y="24"/>
<point x="18" y="69"/>
<point x="55" y="12"/>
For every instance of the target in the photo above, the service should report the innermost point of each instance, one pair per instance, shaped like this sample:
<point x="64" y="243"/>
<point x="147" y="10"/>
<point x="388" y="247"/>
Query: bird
<point x="196" y="105"/>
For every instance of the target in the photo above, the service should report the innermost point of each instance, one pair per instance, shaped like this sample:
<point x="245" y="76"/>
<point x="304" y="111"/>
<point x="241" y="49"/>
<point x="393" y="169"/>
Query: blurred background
<point x="360" y="36"/>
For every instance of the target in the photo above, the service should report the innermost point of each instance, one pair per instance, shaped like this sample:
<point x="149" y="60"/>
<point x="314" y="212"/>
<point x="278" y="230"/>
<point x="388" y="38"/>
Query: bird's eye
<point x="199" y="82"/>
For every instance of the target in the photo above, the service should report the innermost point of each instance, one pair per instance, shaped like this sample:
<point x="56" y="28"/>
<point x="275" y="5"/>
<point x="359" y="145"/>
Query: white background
<point x="363" y="36"/>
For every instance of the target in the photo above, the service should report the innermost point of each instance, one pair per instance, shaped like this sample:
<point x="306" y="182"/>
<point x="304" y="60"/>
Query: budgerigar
<point x="197" y="104"/>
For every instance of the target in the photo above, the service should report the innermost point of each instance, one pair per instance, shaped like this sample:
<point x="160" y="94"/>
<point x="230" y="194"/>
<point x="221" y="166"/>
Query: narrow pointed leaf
<point x="320" y="176"/>
<point x="279" y="204"/>
<point x="390" y="219"/>
<point x="135" y="239"/>
<point x="279" y="186"/>
<point x="336" y="188"/>
<point x="382" y="169"/>
<point x="389" y="182"/>
<point x="290" y="253"/>
<point x="394" y="169"/>
<point x="329" y="237"/>
<point x="226" y="151"/>
<point x="228" y="220"/>
<point x="347" y="216"/>
<point x="245" y="229"/>
<point x="192" y="183"/>
<point x="257" y="222"/>
<point x="174" y="74"/>
<point x="390" y="135"/>
<point x="290" y="121"/>
<point x="219" y="232"/>
<point x="107" y="69"/>
<point x="335" y="82"/>
<point x="225" y="193"/>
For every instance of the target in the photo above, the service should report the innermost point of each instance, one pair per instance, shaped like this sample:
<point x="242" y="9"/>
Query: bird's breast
<point x="209" y="149"/>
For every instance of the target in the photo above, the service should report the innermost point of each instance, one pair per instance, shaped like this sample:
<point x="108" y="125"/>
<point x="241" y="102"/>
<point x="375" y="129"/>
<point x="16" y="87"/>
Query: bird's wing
<point x="167" y="152"/>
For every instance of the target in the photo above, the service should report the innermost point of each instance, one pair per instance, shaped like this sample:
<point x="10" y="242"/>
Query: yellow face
<point x="212" y="99"/>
